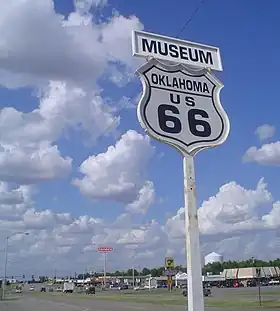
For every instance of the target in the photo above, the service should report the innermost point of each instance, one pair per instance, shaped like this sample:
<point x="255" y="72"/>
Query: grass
<point x="171" y="299"/>
<point x="242" y="304"/>
<point x="263" y="293"/>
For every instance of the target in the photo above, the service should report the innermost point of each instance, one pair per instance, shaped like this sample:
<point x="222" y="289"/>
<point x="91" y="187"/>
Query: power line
<point x="188" y="21"/>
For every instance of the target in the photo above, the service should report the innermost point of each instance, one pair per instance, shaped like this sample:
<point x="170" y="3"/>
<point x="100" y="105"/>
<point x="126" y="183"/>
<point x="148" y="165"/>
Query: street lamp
<point x="258" y="274"/>
<point x="6" y="259"/>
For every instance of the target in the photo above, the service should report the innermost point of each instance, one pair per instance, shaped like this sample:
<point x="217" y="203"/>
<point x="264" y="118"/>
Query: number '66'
<point x="172" y="124"/>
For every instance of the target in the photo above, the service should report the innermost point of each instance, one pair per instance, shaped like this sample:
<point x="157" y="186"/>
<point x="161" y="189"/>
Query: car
<point x="123" y="287"/>
<point x="90" y="290"/>
<point x="32" y="288"/>
<point x="206" y="292"/>
<point x="251" y="283"/>
<point x="43" y="289"/>
<point x="18" y="290"/>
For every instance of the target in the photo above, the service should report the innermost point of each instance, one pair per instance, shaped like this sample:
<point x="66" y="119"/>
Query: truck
<point x="68" y="287"/>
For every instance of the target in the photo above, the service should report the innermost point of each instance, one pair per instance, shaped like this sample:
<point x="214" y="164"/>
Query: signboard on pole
<point x="169" y="272"/>
<point x="181" y="106"/>
<point x="105" y="249"/>
<point x="164" y="48"/>
<point x="169" y="262"/>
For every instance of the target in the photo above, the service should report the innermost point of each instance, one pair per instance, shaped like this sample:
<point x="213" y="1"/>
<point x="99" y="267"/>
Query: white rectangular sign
<point x="179" y="51"/>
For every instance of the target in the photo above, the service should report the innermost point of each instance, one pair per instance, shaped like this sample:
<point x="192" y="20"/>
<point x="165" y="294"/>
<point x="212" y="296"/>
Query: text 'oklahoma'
<point x="179" y="83"/>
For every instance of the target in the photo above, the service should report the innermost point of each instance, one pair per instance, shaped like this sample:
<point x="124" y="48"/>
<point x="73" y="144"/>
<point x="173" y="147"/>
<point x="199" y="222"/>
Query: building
<point x="213" y="257"/>
<point x="182" y="278"/>
<point x="251" y="273"/>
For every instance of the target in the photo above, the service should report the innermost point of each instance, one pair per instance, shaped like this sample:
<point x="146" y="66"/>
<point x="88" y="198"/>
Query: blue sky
<point x="245" y="32"/>
<point x="246" y="38"/>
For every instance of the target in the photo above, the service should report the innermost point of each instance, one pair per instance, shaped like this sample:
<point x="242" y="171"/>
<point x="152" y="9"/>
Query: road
<point x="29" y="302"/>
<point x="60" y="303"/>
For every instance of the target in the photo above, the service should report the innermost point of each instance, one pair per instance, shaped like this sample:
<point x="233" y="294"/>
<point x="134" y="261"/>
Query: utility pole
<point x="133" y="277"/>
<point x="105" y="267"/>
<point x="54" y="278"/>
<point x="5" y="268"/>
<point x="6" y="260"/>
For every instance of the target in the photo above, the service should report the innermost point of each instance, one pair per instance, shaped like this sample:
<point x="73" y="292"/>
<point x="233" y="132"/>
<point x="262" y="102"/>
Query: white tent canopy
<point x="180" y="276"/>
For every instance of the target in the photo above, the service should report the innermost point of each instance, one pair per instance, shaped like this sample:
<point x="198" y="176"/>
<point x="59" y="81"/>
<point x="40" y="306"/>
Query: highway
<point x="30" y="302"/>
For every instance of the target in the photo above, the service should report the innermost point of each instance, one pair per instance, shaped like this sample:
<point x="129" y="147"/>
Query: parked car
<point x="237" y="284"/>
<point x="251" y="283"/>
<point x="123" y="286"/>
<point x="32" y="288"/>
<point x="43" y="289"/>
<point x="206" y="292"/>
<point x="90" y="290"/>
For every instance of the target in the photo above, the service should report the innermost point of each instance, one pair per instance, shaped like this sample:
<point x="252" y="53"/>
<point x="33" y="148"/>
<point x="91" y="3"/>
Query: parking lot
<point x="157" y="300"/>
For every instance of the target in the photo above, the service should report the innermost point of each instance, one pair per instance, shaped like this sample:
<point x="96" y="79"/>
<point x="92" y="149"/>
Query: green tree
<point x="146" y="271"/>
<point x="129" y="272"/>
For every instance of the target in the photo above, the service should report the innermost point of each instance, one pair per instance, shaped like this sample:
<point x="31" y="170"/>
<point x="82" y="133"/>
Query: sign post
<point x="105" y="250"/>
<point x="169" y="266"/>
<point x="181" y="106"/>
<point x="194" y="268"/>
<point x="258" y="271"/>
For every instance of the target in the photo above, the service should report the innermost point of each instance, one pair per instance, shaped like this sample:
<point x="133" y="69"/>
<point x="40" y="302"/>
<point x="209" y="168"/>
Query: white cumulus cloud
<point x="43" y="45"/>
<point x="267" y="154"/>
<point x="232" y="222"/>
<point x="265" y="131"/>
<point x="120" y="173"/>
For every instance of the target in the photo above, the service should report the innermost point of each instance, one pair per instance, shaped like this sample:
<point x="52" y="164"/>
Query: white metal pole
<point x="194" y="269"/>
<point x="133" y="277"/>
<point x="105" y="259"/>
<point x="5" y="267"/>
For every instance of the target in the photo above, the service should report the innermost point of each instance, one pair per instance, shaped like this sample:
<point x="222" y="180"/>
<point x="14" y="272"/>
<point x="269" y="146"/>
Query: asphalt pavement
<point x="29" y="302"/>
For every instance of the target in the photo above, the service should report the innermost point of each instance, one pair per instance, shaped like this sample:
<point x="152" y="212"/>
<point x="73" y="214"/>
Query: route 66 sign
<point x="181" y="106"/>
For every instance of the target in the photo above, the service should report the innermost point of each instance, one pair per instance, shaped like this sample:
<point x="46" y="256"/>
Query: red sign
<point x="105" y="249"/>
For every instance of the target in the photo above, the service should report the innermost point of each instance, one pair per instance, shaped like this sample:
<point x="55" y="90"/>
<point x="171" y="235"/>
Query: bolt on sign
<point x="169" y="262"/>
